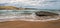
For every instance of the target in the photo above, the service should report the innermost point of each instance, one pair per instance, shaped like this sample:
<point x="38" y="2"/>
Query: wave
<point x="10" y="15"/>
<point x="33" y="18"/>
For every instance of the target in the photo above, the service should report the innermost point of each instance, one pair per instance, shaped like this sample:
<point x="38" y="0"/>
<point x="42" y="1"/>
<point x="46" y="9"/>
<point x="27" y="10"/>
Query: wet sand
<point x="29" y="24"/>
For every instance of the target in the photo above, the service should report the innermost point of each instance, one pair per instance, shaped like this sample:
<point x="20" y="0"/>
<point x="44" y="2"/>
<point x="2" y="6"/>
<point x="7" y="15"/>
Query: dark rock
<point x="44" y="13"/>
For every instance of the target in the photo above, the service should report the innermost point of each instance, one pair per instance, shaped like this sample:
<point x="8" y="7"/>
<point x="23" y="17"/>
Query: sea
<point x="25" y="15"/>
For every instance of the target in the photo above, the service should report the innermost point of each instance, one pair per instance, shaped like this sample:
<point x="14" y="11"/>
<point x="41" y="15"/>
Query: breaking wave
<point x="13" y="16"/>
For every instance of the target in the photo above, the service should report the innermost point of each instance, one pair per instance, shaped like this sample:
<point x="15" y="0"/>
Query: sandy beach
<point x="29" y="24"/>
<point x="29" y="13"/>
<point x="26" y="24"/>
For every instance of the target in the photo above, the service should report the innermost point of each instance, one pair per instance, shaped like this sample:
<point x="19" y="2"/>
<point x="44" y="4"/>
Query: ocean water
<point x="26" y="15"/>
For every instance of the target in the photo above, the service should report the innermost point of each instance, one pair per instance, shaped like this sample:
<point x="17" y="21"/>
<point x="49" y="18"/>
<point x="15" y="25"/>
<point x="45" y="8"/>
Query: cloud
<point x="42" y="4"/>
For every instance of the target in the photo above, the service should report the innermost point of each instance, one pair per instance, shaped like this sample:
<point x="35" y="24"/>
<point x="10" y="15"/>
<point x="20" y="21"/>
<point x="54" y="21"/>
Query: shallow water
<point x="27" y="15"/>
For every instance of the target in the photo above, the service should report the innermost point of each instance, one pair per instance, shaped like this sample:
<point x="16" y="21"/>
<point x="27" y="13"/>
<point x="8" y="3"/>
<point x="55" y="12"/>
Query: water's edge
<point x="26" y="15"/>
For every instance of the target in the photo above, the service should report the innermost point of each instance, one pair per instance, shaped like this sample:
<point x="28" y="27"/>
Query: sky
<point x="42" y="4"/>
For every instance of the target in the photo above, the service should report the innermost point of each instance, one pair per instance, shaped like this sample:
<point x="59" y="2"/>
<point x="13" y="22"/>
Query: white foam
<point x="25" y="18"/>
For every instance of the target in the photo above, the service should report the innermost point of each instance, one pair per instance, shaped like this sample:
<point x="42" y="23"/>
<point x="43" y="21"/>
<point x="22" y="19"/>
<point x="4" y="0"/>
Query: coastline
<point x="17" y="23"/>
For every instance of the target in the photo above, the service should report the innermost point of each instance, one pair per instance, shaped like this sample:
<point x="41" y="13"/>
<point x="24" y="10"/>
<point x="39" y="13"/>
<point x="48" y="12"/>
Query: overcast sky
<point x="42" y="4"/>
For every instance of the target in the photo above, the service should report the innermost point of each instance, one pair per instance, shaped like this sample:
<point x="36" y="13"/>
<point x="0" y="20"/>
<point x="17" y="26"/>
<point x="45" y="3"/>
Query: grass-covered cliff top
<point x="10" y="8"/>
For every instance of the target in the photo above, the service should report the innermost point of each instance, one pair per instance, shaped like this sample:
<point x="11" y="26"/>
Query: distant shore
<point x="10" y="8"/>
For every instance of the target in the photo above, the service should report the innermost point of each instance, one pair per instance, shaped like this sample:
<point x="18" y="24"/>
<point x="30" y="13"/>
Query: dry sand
<point x="29" y="24"/>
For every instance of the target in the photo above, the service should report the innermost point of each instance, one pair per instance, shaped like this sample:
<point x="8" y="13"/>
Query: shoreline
<point x="28" y="24"/>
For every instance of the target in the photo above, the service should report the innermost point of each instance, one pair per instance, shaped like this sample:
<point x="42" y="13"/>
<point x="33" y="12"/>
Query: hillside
<point x="10" y="8"/>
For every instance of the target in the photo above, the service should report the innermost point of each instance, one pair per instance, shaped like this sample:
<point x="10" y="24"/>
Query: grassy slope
<point x="9" y="8"/>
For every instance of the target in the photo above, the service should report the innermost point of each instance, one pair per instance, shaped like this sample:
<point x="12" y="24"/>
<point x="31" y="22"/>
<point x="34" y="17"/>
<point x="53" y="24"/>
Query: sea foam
<point x="26" y="18"/>
<point x="10" y="15"/>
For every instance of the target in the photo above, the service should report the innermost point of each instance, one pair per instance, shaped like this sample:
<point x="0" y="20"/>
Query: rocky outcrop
<point x="44" y="13"/>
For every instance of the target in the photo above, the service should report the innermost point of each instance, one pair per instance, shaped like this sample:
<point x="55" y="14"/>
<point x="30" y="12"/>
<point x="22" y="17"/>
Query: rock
<point x="44" y="13"/>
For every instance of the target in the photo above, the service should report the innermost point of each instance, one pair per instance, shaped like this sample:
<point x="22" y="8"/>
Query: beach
<point x="29" y="13"/>
<point x="15" y="20"/>
<point x="29" y="24"/>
